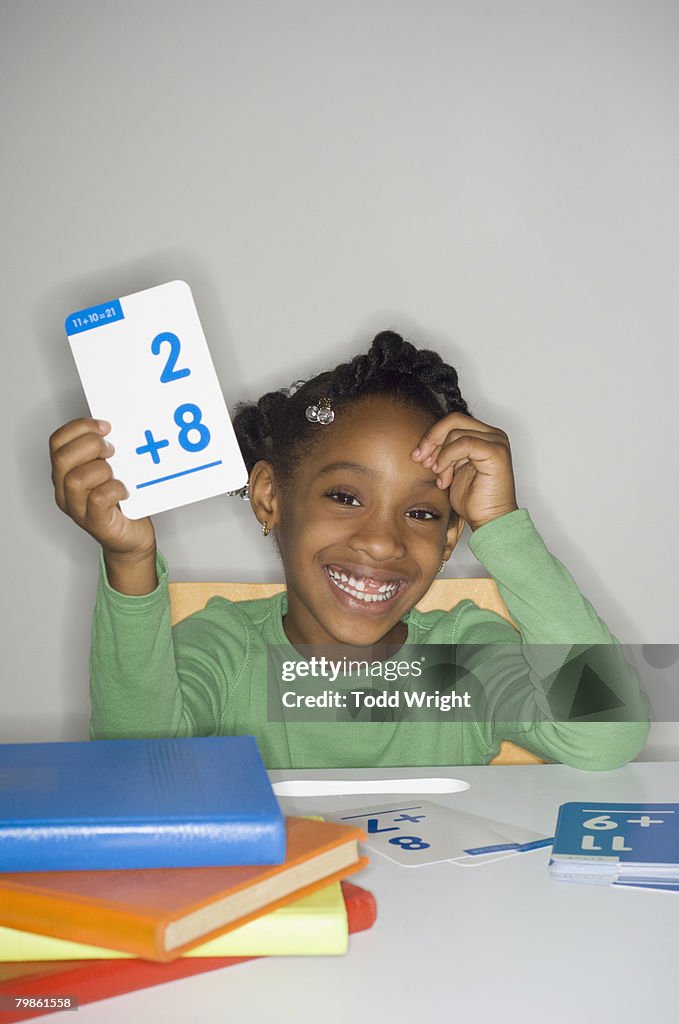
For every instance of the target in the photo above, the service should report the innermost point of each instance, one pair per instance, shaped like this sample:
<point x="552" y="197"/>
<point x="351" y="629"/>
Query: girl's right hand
<point x="84" y="488"/>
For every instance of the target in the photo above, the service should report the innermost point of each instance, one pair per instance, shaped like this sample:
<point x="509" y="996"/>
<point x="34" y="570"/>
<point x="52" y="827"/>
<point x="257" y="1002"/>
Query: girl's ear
<point x="452" y="536"/>
<point x="264" y="493"/>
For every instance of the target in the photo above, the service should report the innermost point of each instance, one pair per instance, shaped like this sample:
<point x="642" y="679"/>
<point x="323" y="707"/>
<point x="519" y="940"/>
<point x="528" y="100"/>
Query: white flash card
<point x="416" y="834"/>
<point x="145" y="367"/>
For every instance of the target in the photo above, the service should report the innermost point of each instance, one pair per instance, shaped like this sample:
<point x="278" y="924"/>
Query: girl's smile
<point x="364" y="586"/>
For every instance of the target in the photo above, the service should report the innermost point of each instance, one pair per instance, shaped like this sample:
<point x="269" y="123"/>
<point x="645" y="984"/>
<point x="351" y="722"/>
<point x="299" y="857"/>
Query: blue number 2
<point x="169" y="373"/>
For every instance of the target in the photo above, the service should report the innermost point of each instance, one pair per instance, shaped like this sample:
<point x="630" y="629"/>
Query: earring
<point x="442" y="565"/>
<point x="265" y="528"/>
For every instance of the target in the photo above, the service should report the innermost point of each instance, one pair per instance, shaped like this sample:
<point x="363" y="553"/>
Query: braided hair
<point x="276" y="429"/>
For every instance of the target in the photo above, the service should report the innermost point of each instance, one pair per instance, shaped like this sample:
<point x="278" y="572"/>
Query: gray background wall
<point x="495" y="180"/>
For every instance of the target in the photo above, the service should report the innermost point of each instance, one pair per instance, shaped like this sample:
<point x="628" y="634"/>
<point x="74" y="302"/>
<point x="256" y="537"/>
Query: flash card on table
<point x="415" y="834"/>
<point x="477" y="858"/>
<point x="617" y="843"/>
<point x="145" y="367"/>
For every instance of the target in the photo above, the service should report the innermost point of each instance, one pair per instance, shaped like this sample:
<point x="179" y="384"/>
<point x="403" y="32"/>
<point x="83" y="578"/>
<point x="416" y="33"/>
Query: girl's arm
<point x="86" y="491"/>
<point x="137" y="687"/>
<point x="533" y="695"/>
<point x="563" y="688"/>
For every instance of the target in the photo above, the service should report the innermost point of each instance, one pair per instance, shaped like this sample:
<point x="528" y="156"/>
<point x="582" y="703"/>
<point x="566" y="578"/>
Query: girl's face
<point x="362" y="528"/>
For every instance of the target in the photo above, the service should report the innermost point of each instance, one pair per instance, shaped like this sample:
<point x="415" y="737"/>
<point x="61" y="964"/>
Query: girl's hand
<point x="474" y="460"/>
<point x="84" y="488"/>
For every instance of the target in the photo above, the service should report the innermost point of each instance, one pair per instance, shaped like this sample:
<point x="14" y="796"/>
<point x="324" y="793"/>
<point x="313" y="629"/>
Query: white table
<point x="502" y="942"/>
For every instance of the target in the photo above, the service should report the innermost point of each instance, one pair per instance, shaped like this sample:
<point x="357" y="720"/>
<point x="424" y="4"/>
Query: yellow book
<point x="315" y="925"/>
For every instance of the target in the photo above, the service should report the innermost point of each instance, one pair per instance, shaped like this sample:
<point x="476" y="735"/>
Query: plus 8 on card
<point x="145" y="367"/>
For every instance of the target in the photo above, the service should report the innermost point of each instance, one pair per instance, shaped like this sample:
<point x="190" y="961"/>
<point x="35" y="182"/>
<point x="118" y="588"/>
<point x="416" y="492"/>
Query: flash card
<point x="415" y="834"/>
<point x="522" y="845"/>
<point x="145" y="367"/>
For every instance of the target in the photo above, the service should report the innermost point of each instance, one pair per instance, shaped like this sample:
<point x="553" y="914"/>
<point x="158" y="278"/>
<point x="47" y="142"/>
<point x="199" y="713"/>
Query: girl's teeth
<point x="356" y="588"/>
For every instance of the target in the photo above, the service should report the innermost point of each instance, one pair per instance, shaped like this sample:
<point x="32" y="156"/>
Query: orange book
<point x="159" y="913"/>
<point x="90" y="980"/>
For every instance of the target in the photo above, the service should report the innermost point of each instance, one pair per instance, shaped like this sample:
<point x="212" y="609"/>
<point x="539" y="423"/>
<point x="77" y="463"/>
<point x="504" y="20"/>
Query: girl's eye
<point x="423" y="513"/>
<point x="342" y="498"/>
<point x="351" y="501"/>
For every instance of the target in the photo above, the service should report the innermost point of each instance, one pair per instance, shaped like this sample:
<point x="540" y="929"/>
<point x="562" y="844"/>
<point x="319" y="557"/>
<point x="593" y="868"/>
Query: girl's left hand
<point x="474" y="460"/>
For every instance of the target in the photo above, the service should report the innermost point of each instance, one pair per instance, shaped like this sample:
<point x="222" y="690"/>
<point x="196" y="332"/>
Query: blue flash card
<point x="145" y="367"/>
<point x="615" y="835"/>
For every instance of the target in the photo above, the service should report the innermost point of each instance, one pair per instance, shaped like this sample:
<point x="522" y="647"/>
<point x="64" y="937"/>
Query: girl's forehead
<point x="378" y="421"/>
<point x="380" y="411"/>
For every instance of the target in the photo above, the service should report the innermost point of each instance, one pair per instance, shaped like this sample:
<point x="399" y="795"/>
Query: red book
<point x="91" y="980"/>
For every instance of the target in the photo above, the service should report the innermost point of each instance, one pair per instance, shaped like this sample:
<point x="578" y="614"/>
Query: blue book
<point x="111" y="804"/>
<point x="612" y="843"/>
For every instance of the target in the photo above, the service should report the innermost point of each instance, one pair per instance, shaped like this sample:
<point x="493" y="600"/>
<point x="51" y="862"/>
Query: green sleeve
<point x="532" y="686"/>
<point x="140" y="685"/>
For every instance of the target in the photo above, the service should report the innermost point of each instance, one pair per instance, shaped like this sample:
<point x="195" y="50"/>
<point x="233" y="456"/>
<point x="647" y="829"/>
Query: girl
<point x="365" y="477"/>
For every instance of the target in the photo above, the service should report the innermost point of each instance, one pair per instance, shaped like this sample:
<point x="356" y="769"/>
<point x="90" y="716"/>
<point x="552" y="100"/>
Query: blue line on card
<point x="173" y="476"/>
<point x="474" y="851"/>
<point x="387" y="810"/>
<point x="536" y="845"/>
<point x="630" y="809"/>
<point x="94" y="316"/>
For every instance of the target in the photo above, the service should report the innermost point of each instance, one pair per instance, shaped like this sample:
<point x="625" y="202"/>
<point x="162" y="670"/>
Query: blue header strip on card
<point x="537" y="844"/>
<point x="95" y="316"/>
<point x="474" y="851"/>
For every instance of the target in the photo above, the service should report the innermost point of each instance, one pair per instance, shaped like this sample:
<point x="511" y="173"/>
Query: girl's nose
<point x="379" y="538"/>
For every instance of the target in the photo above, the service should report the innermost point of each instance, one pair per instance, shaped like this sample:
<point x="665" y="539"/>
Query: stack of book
<point x="633" y="845"/>
<point x="136" y="860"/>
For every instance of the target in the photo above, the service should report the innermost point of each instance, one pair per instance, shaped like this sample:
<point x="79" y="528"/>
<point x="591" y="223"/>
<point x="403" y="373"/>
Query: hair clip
<point x="293" y="389"/>
<point x="322" y="412"/>
<point x="242" y="492"/>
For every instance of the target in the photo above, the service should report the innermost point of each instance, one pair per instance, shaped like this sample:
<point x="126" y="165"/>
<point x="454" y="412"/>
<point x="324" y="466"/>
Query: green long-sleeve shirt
<point x="208" y="675"/>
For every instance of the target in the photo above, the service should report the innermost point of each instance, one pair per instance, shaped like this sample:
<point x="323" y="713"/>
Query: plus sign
<point x="151" y="446"/>
<point x="645" y="821"/>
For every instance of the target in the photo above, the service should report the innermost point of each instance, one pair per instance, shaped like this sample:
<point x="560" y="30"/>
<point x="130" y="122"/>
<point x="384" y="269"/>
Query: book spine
<point x="360" y="905"/>
<point x="179" y="845"/>
<point x="95" y="924"/>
